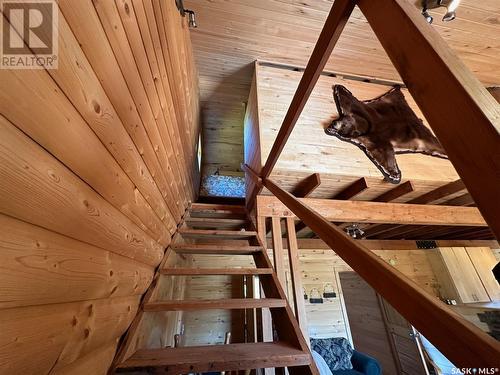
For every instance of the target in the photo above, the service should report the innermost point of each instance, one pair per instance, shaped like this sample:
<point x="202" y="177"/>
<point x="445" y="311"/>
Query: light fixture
<point x="191" y="14"/>
<point x="354" y="231"/>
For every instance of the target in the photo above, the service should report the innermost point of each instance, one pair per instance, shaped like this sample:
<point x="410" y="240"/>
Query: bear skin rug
<point x="382" y="127"/>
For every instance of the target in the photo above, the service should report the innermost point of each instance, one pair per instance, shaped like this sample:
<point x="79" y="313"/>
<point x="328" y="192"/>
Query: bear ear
<point x="344" y="99"/>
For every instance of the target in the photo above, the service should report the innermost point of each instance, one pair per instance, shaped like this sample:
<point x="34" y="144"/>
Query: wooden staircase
<point x="220" y="230"/>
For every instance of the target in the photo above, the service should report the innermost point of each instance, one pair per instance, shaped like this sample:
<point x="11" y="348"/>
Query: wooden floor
<point x="231" y="34"/>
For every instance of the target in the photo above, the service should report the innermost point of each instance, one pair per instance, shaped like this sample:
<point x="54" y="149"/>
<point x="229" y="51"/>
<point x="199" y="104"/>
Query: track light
<point x="191" y="14"/>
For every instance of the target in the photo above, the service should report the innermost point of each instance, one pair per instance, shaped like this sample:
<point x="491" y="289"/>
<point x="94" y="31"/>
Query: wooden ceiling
<point x="231" y="34"/>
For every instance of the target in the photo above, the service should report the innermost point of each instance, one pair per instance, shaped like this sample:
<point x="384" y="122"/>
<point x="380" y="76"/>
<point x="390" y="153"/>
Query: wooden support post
<point x="447" y="93"/>
<point x="306" y="186"/>
<point x="279" y="264"/>
<point x="296" y="275"/>
<point x="334" y="25"/>
<point x="459" y="340"/>
<point x="264" y="315"/>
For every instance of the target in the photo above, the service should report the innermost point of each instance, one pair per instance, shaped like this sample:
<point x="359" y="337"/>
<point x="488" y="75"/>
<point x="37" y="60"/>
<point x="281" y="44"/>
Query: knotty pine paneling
<point x="310" y="150"/>
<point x="98" y="163"/>
<point x="232" y="34"/>
<point x="320" y="267"/>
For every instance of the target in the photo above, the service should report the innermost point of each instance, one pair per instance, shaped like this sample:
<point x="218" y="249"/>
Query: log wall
<point x="98" y="162"/>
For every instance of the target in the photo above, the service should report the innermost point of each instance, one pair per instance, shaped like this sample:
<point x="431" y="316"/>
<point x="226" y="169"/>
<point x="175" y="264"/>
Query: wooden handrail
<point x="459" y="340"/>
<point x="334" y="25"/>
<point x="464" y="116"/>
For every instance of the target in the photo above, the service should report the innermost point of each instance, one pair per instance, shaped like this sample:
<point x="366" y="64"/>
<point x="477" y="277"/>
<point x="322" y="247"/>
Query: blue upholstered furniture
<point x="361" y="365"/>
<point x="335" y="355"/>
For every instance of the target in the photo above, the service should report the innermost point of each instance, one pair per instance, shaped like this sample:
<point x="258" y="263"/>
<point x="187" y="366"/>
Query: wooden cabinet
<point x="484" y="260"/>
<point x="464" y="274"/>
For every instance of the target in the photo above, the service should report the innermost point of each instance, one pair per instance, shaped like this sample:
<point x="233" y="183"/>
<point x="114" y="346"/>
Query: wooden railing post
<point x="464" y="116"/>
<point x="459" y="340"/>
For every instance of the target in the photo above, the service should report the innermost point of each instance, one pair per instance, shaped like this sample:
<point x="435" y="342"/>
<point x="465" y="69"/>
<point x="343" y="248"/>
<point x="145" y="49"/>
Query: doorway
<point x="378" y="330"/>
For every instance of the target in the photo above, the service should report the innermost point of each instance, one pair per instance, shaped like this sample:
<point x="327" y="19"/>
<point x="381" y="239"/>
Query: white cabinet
<point x="464" y="274"/>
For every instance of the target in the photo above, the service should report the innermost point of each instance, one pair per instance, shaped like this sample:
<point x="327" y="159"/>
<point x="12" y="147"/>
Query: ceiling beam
<point x="395" y="193"/>
<point x="429" y="197"/>
<point x="319" y="244"/>
<point x="375" y="212"/>
<point x="462" y="200"/>
<point x="352" y="190"/>
<point x="439" y="193"/>
<point x="390" y="195"/>
<point x="447" y="93"/>
<point x="306" y="186"/>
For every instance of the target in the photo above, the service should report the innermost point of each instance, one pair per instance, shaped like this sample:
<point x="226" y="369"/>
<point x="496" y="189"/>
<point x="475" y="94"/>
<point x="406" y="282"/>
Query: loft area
<point x="223" y="186"/>
<point x="171" y="200"/>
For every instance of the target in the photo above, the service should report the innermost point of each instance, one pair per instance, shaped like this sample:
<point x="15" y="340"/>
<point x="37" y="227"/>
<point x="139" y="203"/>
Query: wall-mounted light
<point x="191" y="14"/>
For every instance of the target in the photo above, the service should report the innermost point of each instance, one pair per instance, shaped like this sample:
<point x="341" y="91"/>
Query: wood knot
<point x="97" y="107"/>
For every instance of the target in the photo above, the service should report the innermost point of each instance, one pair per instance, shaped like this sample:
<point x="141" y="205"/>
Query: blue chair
<point x="362" y="365"/>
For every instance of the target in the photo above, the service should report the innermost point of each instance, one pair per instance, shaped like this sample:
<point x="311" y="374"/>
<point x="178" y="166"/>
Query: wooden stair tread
<point x="230" y="357"/>
<point x="227" y="234"/>
<point x="211" y="304"/>
<point x="215" y="249"/>
<point x="202" y="222"/>
<point x="216" y="271"/>
<point x="218" y="207"/>
<point x="203" y="210"/>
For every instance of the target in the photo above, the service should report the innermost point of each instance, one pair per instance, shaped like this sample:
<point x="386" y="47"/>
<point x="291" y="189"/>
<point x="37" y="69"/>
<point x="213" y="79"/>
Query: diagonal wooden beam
<point x="334" y="25"/>
<point x="458" y="339"/>
<point x="447" y="93"/>
<point x="306" y="186"/>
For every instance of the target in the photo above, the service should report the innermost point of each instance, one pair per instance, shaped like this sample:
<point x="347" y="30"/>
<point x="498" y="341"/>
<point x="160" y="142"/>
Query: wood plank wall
<point x="98" y="162"/>
<point x="309" y="150"/>
<point x="251" y="133"/>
